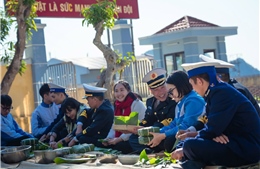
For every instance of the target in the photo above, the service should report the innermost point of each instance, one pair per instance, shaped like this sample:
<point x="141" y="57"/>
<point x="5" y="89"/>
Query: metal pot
<point x="44" y="156"/>
<point x="15" y="154"/>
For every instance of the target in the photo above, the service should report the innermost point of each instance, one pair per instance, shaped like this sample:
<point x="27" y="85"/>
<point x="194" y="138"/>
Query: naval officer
<point x="160" y="108"/>
<point x="230" y="114"/>
<point x="102" y="118"/>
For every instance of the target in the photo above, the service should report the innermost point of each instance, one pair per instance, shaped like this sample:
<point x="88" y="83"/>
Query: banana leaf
<point x="60" y="160"/>
<point x="132" y="119"/>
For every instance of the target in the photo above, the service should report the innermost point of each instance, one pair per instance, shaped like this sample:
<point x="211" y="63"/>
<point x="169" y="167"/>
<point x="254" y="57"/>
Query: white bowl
<point x="128" y="159"/>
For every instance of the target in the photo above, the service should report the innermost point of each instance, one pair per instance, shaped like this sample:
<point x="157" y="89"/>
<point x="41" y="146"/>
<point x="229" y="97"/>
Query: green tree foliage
<point x="20" y="14"/>
<point x="102" y="15"/>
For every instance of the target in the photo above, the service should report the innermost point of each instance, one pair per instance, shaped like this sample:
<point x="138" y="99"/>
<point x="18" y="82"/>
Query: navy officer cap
<point x="155" y="78"/>
<point x="93" y="90"/>
<point x="194" y="69"/>
<point x="56" y="88"/>
<point x="223" y="66"/>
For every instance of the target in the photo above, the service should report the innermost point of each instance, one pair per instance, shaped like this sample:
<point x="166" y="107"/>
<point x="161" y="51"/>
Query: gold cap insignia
<point x="153" y="76"/>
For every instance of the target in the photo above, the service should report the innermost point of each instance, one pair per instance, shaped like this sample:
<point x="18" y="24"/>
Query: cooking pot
<point x="44" y="156"/>
<point x="15" y="154"/>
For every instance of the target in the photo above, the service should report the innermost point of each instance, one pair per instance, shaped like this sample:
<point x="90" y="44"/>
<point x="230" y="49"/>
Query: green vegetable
<point x="107" y="150"/>
<point x="60" y="145"/>
<point x="42" y="146"/>
<point x="103" y="140"/>
<point x="132" y="119"/>
<point x="143" y="156"/>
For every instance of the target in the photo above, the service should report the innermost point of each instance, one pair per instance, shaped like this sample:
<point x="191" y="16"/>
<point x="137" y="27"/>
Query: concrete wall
<point x="23" y="97"/>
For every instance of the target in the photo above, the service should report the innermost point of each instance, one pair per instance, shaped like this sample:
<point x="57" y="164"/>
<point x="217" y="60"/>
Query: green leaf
<point x="59" y="160"/>
<point x="132" y="119"/>
<point x="143" y="156"/>
<point x="167" y="154"/>
<point x="154" y="161"/>
<point x="60" y="145"/>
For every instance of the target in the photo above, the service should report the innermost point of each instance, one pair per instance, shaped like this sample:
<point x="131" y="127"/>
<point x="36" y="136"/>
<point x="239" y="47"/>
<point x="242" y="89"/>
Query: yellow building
<point x="23" y="97"/>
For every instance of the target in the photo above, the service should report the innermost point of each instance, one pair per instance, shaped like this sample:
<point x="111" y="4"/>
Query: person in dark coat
<point x="229" y="114"/>
<point x="160" y="108"/>
<point x="102" y="118"/>
<point x="223" y="72"/>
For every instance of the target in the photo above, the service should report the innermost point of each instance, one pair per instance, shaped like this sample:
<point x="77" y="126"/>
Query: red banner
<point x="127" y="9"/>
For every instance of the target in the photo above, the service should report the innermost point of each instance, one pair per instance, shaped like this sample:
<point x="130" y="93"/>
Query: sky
<point x="68" y="38"/>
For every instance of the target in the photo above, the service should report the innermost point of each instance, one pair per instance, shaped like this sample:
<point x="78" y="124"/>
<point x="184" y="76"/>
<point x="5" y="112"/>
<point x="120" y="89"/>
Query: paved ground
<point x="30" y="164"/>
<point x="118" y="165"/>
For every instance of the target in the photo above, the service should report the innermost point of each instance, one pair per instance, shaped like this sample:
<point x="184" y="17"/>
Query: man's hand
<point x="114" y="141"/>
<point x="68" y="138"/>
<point x="223" y="139"/>
<point x="180" y="132"/>
<point x="134" y="130"/>
<point x="53" y="145"/>
<point x="43" y="138"/>
<point x="177" y="154"/>
<point x="183" y="134"/>
<point x="72" y="143"/>
<point x="157" y="138"/>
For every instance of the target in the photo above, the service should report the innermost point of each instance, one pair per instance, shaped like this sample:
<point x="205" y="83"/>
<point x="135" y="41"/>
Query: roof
<point x="184" y="23"/>
<point x="88" y="62"/>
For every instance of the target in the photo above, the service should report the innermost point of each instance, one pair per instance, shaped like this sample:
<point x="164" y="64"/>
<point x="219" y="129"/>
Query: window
<point x="173" y="62"/>
<point x="210" y="53"/>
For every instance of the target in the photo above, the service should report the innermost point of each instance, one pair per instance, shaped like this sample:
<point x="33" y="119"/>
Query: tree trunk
<point x="22" y="13"/>
<point x="111" y="58"/>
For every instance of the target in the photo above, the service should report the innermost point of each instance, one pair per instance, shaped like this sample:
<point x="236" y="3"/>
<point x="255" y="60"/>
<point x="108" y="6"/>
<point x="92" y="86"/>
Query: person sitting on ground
<point x="59" y="95"/>
<point x="160" y="109"/>
<point x="223" y="72"/>
<point x="230" y="114"/>
<point x="126" y="102"/>
<point x="190" y="106"/>
<point x="102" y="118"/>
<point x="77" y="116"/>
<point x="11" y="133"/>
<point x="45" y="113"/>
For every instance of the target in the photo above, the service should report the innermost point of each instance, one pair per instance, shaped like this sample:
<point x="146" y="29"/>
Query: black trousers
<point x="208" y="152"/>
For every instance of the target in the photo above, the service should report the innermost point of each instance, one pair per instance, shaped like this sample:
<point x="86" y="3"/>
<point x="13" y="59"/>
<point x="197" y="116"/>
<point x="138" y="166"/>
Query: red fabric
<point x="123" y="109"/>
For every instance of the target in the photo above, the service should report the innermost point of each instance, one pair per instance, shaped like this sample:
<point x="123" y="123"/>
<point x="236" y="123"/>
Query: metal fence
<point x="64" y="74"/>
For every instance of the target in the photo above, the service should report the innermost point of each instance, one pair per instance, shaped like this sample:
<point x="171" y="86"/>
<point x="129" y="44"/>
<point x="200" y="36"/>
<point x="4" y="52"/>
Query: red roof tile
<point x="184" y="23"/>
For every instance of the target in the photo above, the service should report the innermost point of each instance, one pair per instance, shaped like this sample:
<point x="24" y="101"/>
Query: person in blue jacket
<point x="45" y="113"/>
<point x="229" y="114"/>
<point x="190" y="106"/>
<point x="11" y="133"/>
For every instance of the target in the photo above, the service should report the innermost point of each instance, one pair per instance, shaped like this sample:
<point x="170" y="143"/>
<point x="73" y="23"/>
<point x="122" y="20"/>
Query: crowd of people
<point x="214" y="119"/>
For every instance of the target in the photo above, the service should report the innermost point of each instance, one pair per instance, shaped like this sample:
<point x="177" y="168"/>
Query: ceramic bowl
<point x="128" y="159"/>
